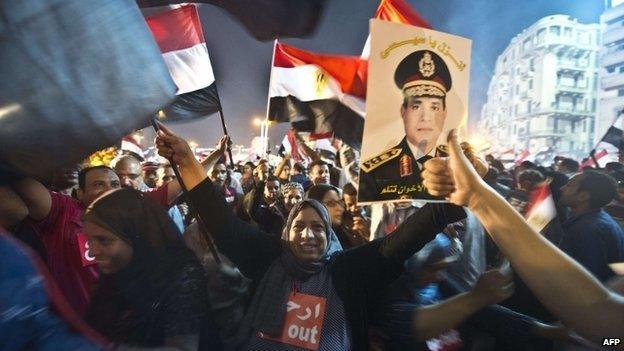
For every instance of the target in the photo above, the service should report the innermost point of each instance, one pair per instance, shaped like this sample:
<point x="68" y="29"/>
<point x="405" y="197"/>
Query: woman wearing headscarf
<point x="308" y="294"/>
<point x="152" y="291"/>
<point x="331" y="197"/>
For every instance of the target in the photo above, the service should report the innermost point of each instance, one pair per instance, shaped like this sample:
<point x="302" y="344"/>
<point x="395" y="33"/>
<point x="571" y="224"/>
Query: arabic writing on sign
<point x="440" y="46"/>
<point x="403" y="189"/>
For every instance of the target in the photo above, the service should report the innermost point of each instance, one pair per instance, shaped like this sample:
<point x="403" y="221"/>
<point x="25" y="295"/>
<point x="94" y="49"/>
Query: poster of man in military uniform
<point x="417" y="91"/>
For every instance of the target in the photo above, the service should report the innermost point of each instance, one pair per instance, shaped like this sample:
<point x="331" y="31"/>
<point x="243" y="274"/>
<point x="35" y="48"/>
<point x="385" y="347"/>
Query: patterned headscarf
<point x="286" y="188"/>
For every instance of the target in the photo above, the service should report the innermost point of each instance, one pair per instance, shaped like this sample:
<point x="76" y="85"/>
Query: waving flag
<point x="397" y="11"/>
<point x="180" y="38"/>
<point x="265" y="19"/>
<point x="76" y="77"/>
<point x="542" y="208"/>
<point x="316" y="93"/>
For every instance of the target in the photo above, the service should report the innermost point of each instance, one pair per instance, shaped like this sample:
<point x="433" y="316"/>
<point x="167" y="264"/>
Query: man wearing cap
<point x="424" y="79"/>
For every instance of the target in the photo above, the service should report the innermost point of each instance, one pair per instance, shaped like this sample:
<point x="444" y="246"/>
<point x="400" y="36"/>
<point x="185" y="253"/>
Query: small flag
<point x="180" y="38"/>
<point x="541" y="210"/>
<point x="316" y="93"/>
<point x="590" y="161"/>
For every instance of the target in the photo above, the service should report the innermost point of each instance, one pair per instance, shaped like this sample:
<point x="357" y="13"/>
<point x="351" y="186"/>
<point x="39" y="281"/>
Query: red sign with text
<point x="303" y="323"/>
<point x="83" y="247"/>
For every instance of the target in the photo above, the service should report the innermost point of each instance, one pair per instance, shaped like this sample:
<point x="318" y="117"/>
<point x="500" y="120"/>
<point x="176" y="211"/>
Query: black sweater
<point x="359" y="275"/>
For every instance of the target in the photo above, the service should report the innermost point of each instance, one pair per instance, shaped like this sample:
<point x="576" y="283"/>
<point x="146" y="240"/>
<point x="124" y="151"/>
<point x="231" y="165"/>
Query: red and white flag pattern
<point x="397" y="11"/>
<point x="542" y="208"/>
<point x="317" y="93"/>
<point x="180" y="37"/>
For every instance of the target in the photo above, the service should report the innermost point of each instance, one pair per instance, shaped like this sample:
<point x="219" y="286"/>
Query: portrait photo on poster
<point x="418" y="81"/>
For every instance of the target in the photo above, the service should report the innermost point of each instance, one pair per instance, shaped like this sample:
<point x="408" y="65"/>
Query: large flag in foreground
<point x="77" y="75"/>
<point x="265" y="19"/>
<point x="317" y="93"/>
<point x="180" y="38"/>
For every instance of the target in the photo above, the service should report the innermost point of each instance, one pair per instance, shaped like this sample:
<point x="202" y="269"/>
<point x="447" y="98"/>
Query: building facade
<point x="543" y="93"/>
<point x="611" y="93"/>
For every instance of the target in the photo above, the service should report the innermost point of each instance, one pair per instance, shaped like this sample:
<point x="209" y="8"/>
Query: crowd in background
<point x="213" y="267"/>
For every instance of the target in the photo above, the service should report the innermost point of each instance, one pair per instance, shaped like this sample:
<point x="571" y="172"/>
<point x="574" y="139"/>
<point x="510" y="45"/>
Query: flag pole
<point x="194" y="213"/>
<point x="224" y="127"/>
<point x="268" y="104"/>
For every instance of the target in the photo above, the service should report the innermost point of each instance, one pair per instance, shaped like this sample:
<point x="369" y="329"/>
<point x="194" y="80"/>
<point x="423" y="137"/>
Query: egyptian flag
<point x="316" y="93"/>
<point x="265" y="19"/>
<point x="591" y="162"/>
<point x="397" y="11"/>
<point x="542" y="208"/>
<point x="179" y="35"/>
<point x="615" y="137"/>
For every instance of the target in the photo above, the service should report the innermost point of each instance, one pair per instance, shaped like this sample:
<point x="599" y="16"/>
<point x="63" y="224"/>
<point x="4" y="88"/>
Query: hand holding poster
<point x="417" y="92"/>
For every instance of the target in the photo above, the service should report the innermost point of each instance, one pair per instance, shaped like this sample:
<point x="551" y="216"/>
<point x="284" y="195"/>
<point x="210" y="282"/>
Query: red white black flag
<point x="397" y="11"/>
<point x="317" y="93"/>
<point x="542" y="208"/>
<point x="180" y="38"/>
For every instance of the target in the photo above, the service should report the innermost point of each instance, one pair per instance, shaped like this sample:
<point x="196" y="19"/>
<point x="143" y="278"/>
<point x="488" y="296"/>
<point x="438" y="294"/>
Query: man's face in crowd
<point x="97" y="182"/>
<point x="423" y="120"/>
<point x="570" y="194"/>
<point x="335" y="207"/>
<point x="219" y="174"/>
<point x="129" y="172"/>
<point x="111" y="253"/>
<point x="150" y="177"/>
<point x="351" y="206"/>
<point x="293" y="197"/>
<point x="307" y="236"/>
<point x="165" y="175"/>
<point x="271" y="191"/>
<point x="319" y="174"/>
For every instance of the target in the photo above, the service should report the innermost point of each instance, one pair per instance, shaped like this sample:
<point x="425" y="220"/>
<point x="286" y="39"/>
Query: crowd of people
<point x="189" y="255"/>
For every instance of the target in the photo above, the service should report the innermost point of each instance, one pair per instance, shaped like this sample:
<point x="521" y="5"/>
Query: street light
<point x="264" y="133"/>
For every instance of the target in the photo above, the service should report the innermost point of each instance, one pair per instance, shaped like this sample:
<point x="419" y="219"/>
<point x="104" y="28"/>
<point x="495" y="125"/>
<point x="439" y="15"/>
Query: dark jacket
<point x="394" y="174"/>
<point x="359" y="275"/>
<point x="269" y="218"/>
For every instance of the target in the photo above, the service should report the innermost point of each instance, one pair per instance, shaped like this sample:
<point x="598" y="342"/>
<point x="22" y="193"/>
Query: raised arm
<point x="249" y="248"/>
<point x="35" y="196"/>
<point x="281" y="165"/>
<point x="174" y="189"/>
<point x="430" y="321"/>
<point x="561" y="284"/>
<point x="313" y="155"/>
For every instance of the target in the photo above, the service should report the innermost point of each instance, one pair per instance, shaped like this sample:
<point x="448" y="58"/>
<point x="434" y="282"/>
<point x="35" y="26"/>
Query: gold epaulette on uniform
<point x="380" y="159"/>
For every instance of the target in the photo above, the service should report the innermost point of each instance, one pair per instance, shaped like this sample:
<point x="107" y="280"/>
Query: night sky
<point x="242" y="64"/>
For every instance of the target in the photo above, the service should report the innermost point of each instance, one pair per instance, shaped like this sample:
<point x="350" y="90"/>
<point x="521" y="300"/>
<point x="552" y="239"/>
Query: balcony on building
<point x="613" y="57"/>
<point x="613" y="13"/>
<point x="613" y="35"/>
<point x="563" y="89"/>
<point x="612" y="81"/>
